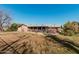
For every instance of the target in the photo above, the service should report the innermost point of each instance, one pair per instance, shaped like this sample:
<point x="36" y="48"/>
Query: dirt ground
<point x="30" y="43"/>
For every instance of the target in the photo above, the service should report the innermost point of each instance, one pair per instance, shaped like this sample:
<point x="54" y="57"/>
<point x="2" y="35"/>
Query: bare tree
<point x="5" y="20"/>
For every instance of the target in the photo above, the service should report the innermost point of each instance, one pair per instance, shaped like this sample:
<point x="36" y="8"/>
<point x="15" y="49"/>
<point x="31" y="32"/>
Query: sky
<point x="41" y="13"/>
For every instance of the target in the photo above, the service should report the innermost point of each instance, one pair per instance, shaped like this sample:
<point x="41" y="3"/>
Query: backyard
<point x="37" y="43"/>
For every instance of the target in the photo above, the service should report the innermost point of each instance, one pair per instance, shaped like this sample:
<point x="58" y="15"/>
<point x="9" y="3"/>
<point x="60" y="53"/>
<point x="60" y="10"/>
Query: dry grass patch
<point x="30" y="43"/>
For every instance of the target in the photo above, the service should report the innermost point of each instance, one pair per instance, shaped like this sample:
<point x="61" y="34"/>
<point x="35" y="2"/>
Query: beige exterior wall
<point x="23" y="29"/>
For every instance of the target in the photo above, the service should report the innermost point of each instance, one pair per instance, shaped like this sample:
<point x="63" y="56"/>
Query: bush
<point x="13" y="27"/>
<point x="70" y="28"/>
<point x="68" y="33"/>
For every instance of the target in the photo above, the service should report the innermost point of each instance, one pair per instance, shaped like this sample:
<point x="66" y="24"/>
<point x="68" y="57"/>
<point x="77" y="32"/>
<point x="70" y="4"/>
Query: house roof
<point x="39" y="25"/>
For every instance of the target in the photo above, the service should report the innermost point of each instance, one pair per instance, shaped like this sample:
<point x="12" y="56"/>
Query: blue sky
<point x="42" y="13"/>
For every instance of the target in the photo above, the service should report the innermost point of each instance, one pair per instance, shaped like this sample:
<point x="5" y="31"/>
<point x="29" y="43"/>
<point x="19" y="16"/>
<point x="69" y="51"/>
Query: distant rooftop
<point x="49" y="25"/>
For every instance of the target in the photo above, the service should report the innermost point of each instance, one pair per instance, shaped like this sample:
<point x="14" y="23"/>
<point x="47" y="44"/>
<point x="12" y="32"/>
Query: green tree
<point x="13" y="27"/>
<point x="71" y="28"/>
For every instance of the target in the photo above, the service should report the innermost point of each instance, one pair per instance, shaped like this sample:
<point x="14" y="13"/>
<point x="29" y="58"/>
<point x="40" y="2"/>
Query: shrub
<point x="70" y="28"/>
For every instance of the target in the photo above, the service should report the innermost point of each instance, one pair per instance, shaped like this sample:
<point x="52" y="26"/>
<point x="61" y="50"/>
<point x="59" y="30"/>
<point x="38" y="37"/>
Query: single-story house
<point x="38" y="28"/>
